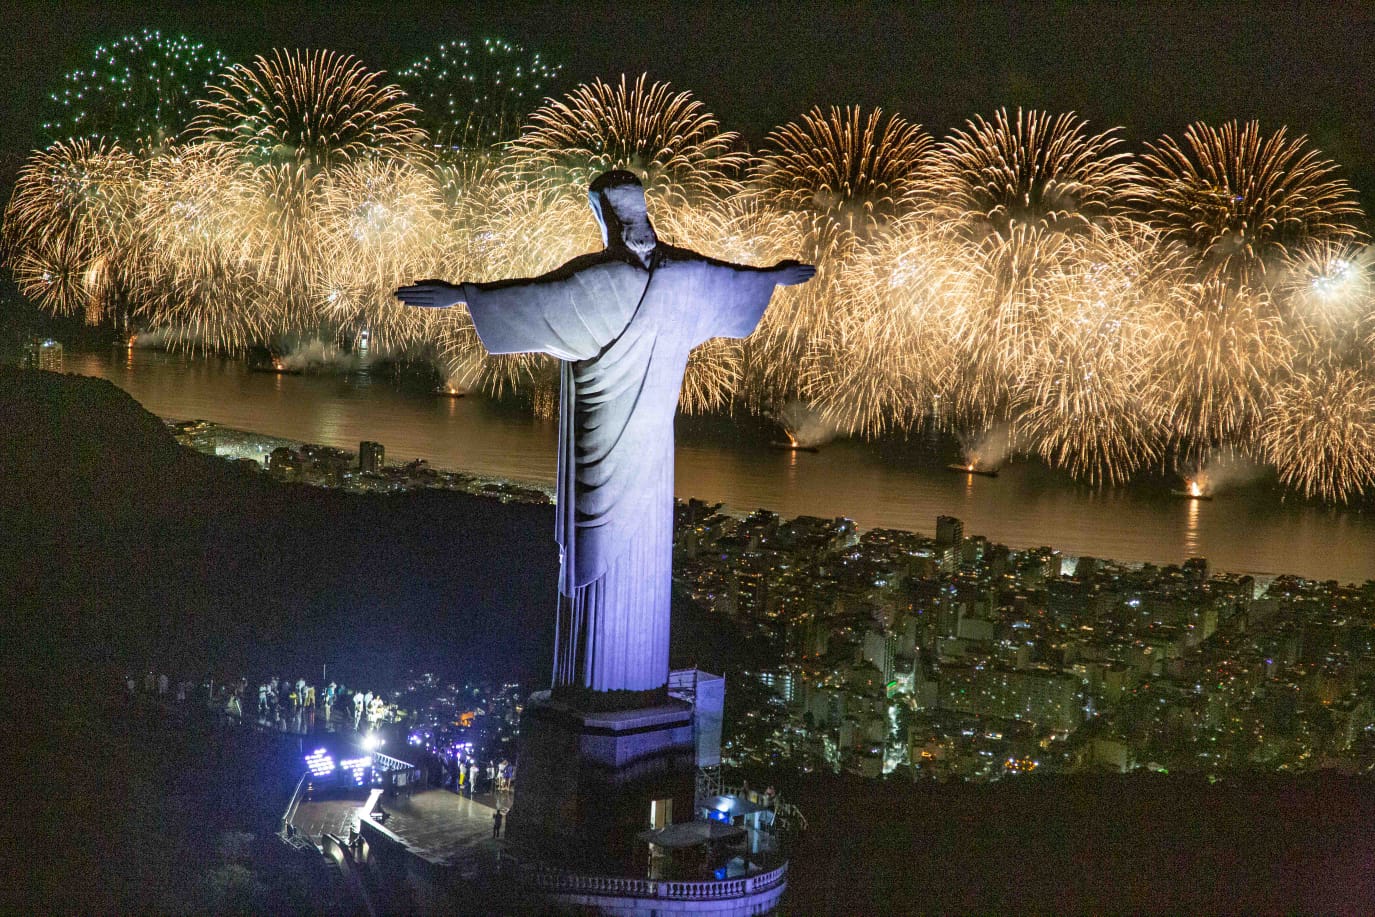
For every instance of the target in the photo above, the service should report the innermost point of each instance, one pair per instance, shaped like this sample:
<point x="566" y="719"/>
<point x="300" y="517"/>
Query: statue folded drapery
<point x="622" y="321"/>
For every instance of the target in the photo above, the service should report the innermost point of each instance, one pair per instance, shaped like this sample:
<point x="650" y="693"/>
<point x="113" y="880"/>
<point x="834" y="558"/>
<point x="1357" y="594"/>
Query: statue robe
<point x="623" y="333"/>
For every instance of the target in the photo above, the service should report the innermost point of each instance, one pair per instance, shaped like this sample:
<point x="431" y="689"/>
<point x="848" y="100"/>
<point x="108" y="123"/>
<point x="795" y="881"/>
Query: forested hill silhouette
<point x="1134" y="844"/>
<point x="122" y="547"/>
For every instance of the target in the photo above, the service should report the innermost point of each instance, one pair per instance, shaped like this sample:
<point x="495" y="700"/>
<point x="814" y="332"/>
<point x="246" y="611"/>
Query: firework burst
<point x="381" y="222"/>
<point x="1030" y="201"/>
<point x="1010" y="312"/>
<point x="1325" y="290"/>
<point x="70" y="226"/>
<point x="1222" y="349"/>
<point x="197" y="278"/>
<point x="846" y="175"/>
<point x="849" y="174"/>
<point x="890" y="359"/>
<point x="667" y="138"/>
<point x="474" y="93"/>
<point x="311" y="109"/>
<point x="1236" y="201"/>
<point x="286" y="124"/>
<point x="1319" y="432"/>
<point x="1084" y="400"/>
<point x="138" y="91"/>
<point x="1001" y="177"/>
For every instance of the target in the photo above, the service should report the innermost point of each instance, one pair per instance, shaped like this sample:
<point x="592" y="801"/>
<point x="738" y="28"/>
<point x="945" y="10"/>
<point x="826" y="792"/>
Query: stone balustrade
<point x="563" y="883"/>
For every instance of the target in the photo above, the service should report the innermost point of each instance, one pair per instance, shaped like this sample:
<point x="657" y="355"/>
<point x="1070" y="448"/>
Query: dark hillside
<point x="1094" y="844"/>
<point x="121" y="546"/>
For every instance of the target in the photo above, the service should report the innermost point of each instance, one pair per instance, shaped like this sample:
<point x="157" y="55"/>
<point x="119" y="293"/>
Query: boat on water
<point x="448" y="391"/>
<point x="973" y="469"/>
<point x="274" y="366"/>
<point x="1192" y="490"/>
<point x="793" y="447"/>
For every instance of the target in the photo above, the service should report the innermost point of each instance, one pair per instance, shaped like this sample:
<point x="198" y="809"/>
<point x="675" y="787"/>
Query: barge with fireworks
<point x="973" y="468"/>
<point x="792" y="447"/>
<point x="1193" y="491"/>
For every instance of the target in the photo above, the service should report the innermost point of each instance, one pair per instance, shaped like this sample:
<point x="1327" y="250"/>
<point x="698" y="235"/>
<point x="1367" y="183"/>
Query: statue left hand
<point x="791" y="273"/>
<point x="431" y="294"/>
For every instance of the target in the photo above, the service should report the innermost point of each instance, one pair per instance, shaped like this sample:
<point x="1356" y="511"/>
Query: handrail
<point x="548" y="879"/>
<point x="388" y="763"/>
<point x="292" y="806"/>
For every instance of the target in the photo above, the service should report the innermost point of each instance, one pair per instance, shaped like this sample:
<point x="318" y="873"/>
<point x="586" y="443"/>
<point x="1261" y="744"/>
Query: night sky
<point x="1149" y="68"/>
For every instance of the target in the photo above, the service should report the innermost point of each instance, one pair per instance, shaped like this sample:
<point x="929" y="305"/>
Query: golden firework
<point x="1324" y="291"/>
<point x="381" y="227"/>
<point x="1236" y="201"/>
<point x="890" y="356"/>
<point x="667" y="138"/>
<point x="196" y="278"/>
<point x="285" y="124"/>
<point x="70" y="226"/>
<point x="846" y="175"/>
<point x="1086" y="399"/>
<point x="313" y="110"/>
<point x="1030" y="202"/>
<point x="1030" y="171"/>
<point x="1222" y="348"/>
<point x="1319" y="432"/>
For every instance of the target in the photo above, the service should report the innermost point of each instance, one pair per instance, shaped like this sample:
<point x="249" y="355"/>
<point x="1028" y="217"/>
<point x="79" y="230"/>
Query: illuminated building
<point x="283" y="463"/>
<point x="1044" y="698"/>
<point x="371" y="457"/>
<point x="781" y="681"/>
<point x="949" y="531"/>
<point x="752" y="596"/>
<point x="44" y="354"/>
<point x="880" y="649"/>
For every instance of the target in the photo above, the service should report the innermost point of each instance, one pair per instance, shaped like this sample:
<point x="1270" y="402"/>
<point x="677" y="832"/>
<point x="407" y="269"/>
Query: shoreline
<point x="898" y="483"/>
<point x="507" y="484"/>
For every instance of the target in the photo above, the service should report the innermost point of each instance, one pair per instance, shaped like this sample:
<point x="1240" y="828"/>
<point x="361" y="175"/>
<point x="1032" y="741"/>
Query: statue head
<point x="618" y="200"/>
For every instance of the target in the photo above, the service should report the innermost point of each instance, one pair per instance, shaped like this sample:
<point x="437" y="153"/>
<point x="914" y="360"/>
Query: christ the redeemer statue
<point x="622" y="322"/>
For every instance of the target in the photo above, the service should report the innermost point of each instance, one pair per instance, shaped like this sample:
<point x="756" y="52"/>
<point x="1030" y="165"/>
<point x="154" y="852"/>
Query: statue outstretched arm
<point x="570" y="313"/>
<point x="736" y="295"/>
<point x="790" y="273"/>
<point x="431" y="294"/>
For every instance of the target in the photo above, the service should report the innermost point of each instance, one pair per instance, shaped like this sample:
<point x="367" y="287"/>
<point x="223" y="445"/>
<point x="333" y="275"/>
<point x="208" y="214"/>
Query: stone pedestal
<point x="585" y="781"/>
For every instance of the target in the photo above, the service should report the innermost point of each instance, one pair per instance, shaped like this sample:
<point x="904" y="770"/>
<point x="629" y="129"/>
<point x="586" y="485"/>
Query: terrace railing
<point x="554" y="881"/>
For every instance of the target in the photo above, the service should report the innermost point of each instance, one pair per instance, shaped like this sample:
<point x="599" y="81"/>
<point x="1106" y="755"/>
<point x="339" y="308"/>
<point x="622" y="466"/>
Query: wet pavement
<point x="444" y="828"/>
<point x="326" y="816"/>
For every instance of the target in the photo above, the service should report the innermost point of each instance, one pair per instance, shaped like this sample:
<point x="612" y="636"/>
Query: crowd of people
<point x="275" y="703"/>
<point x="465" y="775"/>
<point x="304" y="708"/>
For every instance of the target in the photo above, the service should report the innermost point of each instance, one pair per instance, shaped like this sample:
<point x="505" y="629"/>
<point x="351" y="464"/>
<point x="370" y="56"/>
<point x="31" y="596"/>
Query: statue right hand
<point x="431" y="294"/>
<point x="790" y="273"/>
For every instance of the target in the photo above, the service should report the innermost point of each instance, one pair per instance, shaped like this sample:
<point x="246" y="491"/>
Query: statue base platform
<point x="588" y="782"/>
